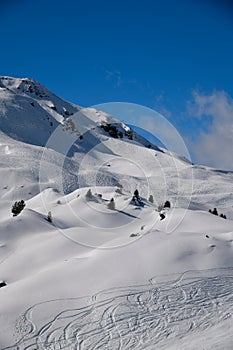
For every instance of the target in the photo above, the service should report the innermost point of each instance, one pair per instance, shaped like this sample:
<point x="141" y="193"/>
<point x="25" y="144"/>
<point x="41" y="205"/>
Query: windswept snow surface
<point x="97" y="278"/>
<point x="140" y="317"/>
<point x="76" y="284"/>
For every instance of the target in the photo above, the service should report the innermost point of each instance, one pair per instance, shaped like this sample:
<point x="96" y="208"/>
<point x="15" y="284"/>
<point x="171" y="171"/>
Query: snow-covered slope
<point x="96" y="278"/>
<point x="114" y="279"/>
<point x="29" y="111"/>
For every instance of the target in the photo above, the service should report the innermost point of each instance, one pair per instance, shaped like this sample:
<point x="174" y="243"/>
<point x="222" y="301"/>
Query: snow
<point x="97" y="278"/>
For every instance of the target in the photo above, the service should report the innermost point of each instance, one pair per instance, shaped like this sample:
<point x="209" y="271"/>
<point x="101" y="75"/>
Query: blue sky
<point x="172" y="56"/>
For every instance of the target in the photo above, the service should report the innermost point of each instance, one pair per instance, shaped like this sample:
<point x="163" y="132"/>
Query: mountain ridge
<point x="53" y="131"/>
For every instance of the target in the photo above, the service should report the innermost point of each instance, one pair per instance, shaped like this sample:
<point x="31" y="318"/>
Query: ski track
<point x="130" y="318"/>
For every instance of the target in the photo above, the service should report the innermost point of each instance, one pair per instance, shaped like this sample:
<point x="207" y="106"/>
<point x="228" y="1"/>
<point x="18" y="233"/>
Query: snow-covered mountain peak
<point x="26" y="86"/>
<point x="23" y="84"/>
<point x="29" y="112"/>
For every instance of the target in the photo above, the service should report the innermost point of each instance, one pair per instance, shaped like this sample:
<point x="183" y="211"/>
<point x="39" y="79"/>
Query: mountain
<point x="96" y="278"/>
<point x="29" y="111"/>
<point x="32" y="117"/>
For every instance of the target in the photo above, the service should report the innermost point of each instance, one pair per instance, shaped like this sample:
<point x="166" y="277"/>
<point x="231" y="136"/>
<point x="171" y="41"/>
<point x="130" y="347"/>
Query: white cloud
<point x="115" y="76"/>
<point x="214" y="147"/>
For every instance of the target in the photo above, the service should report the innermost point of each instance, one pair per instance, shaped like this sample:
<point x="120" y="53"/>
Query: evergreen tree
<point x="223" y="216"/>
<point x="49" y="217"/>
<point x="89" y="194"/>
<point x="111" y="204"/>
<point x="162" y="216"/>
<point x="151" y="199"/>
<point x="167" y="204"/>
<point x="18" y="207"/>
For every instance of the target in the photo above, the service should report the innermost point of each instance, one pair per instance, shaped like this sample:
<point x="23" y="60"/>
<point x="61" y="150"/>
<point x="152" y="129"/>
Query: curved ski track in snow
<point x="130" y="318"/>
